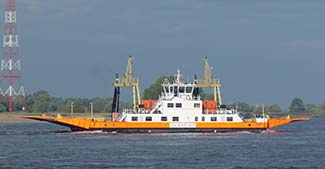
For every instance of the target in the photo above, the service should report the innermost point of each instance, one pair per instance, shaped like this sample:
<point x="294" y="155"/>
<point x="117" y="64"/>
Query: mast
<point x="130" y="81"/>
<point x="209" y="82"/>
<point x="116" y="98"/>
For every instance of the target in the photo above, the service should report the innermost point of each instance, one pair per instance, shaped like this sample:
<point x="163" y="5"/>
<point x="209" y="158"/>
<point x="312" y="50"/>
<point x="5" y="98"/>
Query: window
<point x="170" y="105"/>
<point x="213" y="118"/>
<point x="163" y="118"/>
<point x="229" y="118"/>
<point x="196" y="119"/>
<point x="203" y="119"/>
<point x="148" y="118"/>
<point x="178" y="105"/>
<point x="166" y="89"/>
<point x="197" y="105"/>
<point x="181" y="89"/>
<point x="134" y="118"/>
<point x="175" y="91"/>
<point x="141" y="106"/>
<point x="175" y="118"/>
<point x="189" y="89"/>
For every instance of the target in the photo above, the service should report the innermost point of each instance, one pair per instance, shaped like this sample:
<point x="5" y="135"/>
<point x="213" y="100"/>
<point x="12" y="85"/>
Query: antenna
<point x="11" y="85"/>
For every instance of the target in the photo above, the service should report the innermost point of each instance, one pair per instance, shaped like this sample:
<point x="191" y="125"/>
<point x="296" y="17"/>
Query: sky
<point x="263" y="51"/>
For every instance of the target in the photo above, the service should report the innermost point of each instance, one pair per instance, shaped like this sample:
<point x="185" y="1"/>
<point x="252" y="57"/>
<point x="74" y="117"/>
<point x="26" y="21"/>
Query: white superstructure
<point x="180" y="103"/>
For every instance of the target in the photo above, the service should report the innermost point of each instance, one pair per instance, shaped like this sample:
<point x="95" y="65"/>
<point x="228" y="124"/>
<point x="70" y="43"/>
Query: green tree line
<point x="42" y="102"/>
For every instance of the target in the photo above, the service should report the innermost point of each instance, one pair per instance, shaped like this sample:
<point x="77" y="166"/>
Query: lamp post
<point x="91" y="111"/>
<point x="71" y="108"/>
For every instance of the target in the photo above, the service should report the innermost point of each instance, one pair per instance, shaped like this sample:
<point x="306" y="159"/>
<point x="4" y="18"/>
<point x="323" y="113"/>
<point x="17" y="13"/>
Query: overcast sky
<point x="263" y="51"/>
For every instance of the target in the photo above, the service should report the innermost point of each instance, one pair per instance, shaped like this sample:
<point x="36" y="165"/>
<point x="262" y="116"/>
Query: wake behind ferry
<point x="180" y="108"/>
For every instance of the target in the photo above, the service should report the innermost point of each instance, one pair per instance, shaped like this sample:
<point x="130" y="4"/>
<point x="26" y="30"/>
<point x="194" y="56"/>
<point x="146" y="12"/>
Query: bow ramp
<point x="76" y="124"/>
<point x="274" y="122"/>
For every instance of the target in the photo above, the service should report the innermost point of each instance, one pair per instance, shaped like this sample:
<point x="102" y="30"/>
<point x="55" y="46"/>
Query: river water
<point x="43" y="145"/>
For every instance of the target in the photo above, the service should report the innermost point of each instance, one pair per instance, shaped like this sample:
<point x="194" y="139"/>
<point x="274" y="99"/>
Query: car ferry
<point x="178" y="109"/>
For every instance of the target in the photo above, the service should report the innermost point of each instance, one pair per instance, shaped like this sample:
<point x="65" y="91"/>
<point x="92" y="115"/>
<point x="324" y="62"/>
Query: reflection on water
<point x="44" y="145"/>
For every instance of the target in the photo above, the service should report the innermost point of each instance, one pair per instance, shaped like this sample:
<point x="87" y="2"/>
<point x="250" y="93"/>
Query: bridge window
<point x="166" y="89"/>
<point x="181" y="89"/>
<point x="134" y="118"/>
<point x="213" y="118"/>
<point x="189" y="89"/>
<point x="163" y="118"/>
<point x="148" y="118"/>
<point x="170" y="105"/>
<point x="230" y="119"/>
<point x="175" y="119"/>
<point x="175" y="90"/>
<point x="197" y="105"/>
<point x="178" y="105"/>
<point x="203" y="119"/>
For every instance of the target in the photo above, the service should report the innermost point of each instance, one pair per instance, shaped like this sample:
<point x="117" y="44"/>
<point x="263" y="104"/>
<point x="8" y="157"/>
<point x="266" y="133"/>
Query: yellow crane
<point x="129" y="81"/>
<point x="209" y="82"/>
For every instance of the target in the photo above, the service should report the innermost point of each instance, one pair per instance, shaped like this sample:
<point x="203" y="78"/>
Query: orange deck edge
<point x="87" y="124"/>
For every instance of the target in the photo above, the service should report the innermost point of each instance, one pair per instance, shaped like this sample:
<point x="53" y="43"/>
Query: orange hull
<point x="80" y="124"/>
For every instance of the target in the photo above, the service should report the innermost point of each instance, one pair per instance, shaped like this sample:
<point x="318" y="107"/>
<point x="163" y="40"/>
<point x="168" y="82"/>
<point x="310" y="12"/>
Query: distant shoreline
<point x="6" y="118"/>
<point x="13" y="118"/>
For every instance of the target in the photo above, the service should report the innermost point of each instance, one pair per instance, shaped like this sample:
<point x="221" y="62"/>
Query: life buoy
<point x="188" y="97"/>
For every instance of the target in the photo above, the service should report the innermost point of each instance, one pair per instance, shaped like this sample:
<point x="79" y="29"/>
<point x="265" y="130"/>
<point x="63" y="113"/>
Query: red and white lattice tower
<point x="11" y="86"/>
